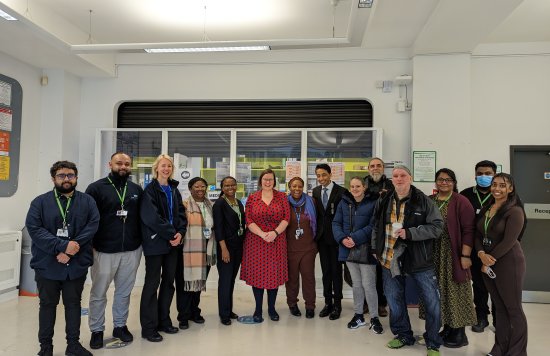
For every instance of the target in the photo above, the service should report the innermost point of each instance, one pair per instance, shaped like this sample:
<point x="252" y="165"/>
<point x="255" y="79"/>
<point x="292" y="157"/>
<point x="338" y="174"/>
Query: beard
<point x="376" y="177"/>
<point x="65" y="187"/>
<point x="122" y="174"/>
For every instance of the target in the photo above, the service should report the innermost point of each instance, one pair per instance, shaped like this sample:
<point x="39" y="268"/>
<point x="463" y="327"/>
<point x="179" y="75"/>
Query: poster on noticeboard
<point x="11" y="98"/>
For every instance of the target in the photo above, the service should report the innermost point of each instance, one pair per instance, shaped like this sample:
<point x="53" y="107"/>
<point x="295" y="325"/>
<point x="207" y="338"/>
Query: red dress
<point x="265" y="264"/>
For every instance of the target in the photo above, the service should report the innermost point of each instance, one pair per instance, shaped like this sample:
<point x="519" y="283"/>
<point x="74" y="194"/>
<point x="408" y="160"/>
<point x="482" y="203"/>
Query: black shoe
<point x="480" y="326"/>
<point x="198" y="319"/>
<point x="169" y="329"/>
<point x="335" y="313"/>
<point x="233" y="316"/>
<point x="294" y="310"/>
<point x="46" y="350"/>
<point x="225" y="321"/>
<point x="96" y="341"/>
<point x="154" y="337"/>
<point x="274" y="316"/>
<point x="327" y="309"/>
<point x="375" y="326"/>
<point x="357" y="321"/>
<point x="456" y="338"/>
<point x="184" y="324"/>
<point x="310" y="313"/>
<point x="445" y="332"/>
<point x="123" y="334"/>
<point x="76" y="349"/>
<point x="258" y="318"/>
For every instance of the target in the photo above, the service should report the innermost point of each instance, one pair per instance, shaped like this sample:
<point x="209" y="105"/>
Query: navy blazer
<point x="226" y="223"/>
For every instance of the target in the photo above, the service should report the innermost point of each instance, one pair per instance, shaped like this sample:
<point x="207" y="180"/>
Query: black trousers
<point x="187" y="302"/>
<point x="49" y="291"/>
<point x="481" y="295"/>
<point x="154" y="312"/>
<point x="227" y="273"/>
<point x="332" y="273"/>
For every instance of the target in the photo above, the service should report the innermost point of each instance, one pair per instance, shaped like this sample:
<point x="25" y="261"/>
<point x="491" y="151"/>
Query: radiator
<point x="10" y="259"/>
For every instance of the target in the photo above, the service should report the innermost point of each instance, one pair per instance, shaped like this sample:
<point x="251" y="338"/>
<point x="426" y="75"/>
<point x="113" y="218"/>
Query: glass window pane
<point x="258" y="150"/>
<point x="347" y="152"/>
<point x="142" y="146"/>
<point x="200" y="154"/>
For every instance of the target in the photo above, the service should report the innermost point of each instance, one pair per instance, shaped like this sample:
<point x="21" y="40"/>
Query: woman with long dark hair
<point x="499" y="227"/>
<point x="229" y="227"/>
<point x="452" y="259"/>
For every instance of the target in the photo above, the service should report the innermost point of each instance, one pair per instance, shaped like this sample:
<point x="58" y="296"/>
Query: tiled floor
<point x="289" y="336"/>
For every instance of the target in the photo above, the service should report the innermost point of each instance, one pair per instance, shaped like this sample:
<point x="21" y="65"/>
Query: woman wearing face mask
<point x="352" y="227"/>
<point x="302" y="249"/>
<point x="163" y="225"/>
<point x="452" y="260"/>
<point x="198" y="254"/>
<point x="498" y="229"/>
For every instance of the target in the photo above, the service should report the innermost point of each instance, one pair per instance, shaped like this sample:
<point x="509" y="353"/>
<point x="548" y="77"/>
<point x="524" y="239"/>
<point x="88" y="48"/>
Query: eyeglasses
<point x="446" y="180"/>
<point x="63" y="176"/>
<point x="267" y="179"/>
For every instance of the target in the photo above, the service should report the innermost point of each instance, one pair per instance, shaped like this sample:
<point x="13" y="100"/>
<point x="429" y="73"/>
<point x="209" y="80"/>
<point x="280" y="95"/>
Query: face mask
<point x="484" y="181"/>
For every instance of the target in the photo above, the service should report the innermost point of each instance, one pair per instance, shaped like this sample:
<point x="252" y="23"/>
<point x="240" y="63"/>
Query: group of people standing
<point x="381" y="230"/>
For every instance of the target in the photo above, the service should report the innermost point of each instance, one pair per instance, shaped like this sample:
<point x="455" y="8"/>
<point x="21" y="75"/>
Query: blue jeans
<point x="394" y="288"/>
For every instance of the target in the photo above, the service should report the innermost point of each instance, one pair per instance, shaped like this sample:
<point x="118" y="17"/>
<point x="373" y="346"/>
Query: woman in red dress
<point x="265" y="263"/>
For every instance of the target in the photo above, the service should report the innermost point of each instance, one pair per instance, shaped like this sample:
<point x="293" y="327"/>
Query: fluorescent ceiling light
<point x="207" y="49"/>
<point x="365" y="4"/>
<point x="7" y="16"/>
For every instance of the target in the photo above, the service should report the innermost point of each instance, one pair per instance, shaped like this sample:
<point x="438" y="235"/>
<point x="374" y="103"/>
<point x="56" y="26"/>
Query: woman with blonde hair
<point x="163" y="225"/>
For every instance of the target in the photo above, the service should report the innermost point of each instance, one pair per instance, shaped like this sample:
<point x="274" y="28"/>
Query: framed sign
<point x="11" y="99"/>
<point x="424" y="166"/>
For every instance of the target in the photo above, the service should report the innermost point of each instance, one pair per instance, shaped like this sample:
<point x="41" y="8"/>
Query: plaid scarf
<point x="198" y="252"/>
<point x="387" y="254"/>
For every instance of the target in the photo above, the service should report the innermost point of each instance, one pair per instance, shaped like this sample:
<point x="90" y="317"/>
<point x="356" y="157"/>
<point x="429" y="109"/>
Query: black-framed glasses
<point x="446" y="180"/>
<point x="63" y="176"/>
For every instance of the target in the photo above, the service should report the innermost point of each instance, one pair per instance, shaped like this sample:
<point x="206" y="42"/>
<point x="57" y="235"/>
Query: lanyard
<point x="120" y="197"/>
<point x="298" y="213"/>
<point x="481" y="202"/>
<point x="445" y="202"/>
<point x="63" y="212"/>
<point x="236" y="210"/>
<point x="487" y="221"/>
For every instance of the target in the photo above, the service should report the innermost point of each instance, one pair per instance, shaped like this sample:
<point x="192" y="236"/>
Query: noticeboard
<point x="11" y="99"/>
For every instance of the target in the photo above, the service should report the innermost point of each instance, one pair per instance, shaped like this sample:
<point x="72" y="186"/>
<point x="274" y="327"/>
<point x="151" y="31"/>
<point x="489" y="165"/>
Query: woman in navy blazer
<point x="229" y="226"/>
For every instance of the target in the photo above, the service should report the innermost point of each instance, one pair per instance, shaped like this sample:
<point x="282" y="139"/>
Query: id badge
<point x="241" y="231"/>
<point x="206" y="232"/>
<point x="299" y="233"/>
<point x="477" y="211"/>
<point x="122" y="213"/>
<point x="62" y="232"/>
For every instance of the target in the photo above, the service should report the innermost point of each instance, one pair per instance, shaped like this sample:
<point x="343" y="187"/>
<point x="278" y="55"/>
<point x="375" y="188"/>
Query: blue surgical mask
<point x="484" y="181"/>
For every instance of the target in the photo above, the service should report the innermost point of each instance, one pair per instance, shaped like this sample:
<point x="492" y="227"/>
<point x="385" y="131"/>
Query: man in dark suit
<point x="327" y="197"/>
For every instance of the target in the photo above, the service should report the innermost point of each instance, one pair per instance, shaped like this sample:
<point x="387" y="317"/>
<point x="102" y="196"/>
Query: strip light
<point x="7" y="16"/>
<point x="207" y="49"/>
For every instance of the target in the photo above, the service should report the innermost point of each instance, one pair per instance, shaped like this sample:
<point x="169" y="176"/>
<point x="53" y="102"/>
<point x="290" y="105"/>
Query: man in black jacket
<point x="406" y="224"/>
<point x="327" y="196"/>
<point x="61" y="224"/>
<point x="117" y="248"/>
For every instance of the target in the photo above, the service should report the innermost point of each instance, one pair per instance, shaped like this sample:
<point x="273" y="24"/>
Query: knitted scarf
<point x="198" y="252"/>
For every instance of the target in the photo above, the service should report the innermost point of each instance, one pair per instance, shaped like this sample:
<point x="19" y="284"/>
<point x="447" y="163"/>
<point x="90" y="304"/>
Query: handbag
<point x="357" y="254"/>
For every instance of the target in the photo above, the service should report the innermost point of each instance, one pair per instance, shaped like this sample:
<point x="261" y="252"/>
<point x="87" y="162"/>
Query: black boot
<point x="445" y="332"/>
<point x="456" y="338"/>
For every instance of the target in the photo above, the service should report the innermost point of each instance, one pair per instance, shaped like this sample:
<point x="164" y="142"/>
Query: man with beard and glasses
<point x="117" y="248"/>
<point x="61" y="224"/>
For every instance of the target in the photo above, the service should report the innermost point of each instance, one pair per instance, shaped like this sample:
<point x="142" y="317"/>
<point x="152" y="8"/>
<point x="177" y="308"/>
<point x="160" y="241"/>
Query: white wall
<point x="14" y="209"/>
<point x="289" y="80"/>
